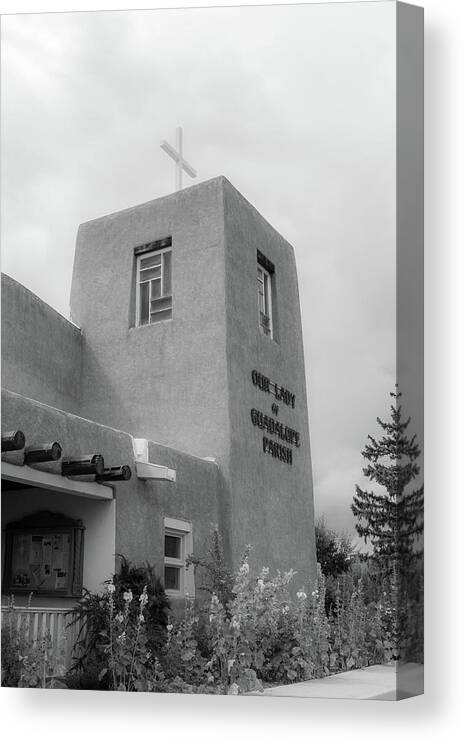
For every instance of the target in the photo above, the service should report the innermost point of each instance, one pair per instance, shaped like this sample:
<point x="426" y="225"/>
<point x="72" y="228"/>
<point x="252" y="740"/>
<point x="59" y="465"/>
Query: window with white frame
<point x="154" y="299"/>
<point x="178" y="579"/>
<point x="265" y="309"/>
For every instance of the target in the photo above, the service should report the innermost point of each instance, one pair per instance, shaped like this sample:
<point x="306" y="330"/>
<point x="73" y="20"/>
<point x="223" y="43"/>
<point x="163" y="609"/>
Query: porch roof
<point x="46" y="480"/>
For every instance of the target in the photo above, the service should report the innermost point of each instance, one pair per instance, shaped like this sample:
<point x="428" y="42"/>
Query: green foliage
<point x="135" y="578"/>
<point x="124" y="642"/>
<point x="219" y="579"/>
<point x="356" y="632"/>
<point x="86" y="676"/>
<point x="333" y="551"/>
<point x="25" y="663"/>
<point x="12" y="649"/>
<point x="93" y="614"/>
<point x="181" y="660"/>
<point x="267" y="635"/>
<point x="335" y="554"/>
<point x="39" y="665"/>
<point x="393" y="520"/>
<point x="264" y="634"/>
<point x="245" y="637"/>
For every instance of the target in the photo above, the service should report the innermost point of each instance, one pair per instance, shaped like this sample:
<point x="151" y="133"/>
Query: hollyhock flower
<point x="143" y="598"/>
<point x="244" y="570"/>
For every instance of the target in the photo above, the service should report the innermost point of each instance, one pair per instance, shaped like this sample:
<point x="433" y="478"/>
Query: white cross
<point x="176" y="154"/>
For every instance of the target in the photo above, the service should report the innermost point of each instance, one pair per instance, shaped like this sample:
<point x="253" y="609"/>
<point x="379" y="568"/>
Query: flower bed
<point x="256" y="630"/>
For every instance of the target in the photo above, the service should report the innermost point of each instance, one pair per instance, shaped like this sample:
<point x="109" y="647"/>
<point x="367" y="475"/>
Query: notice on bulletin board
<point x="41" y="562"/>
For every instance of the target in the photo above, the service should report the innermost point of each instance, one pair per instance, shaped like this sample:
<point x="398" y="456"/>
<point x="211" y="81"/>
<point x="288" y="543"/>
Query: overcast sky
<point x="294" y="105"/>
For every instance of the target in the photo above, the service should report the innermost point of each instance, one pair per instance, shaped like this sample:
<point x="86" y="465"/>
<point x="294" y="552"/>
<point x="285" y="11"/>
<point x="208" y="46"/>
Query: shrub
<point x="333" y="552"/>
<point x="262" y="633"/>
<point x="181" y="660"/>
<point x="25" y="663"/>
<point x="135" y="578"/>
<point x="14" y="639"/>
<point x="39" y="665"/>
<point x="124" y="643"/>
<point x="349" y="626"/>
<point x="11" y="652"/>
<point x="93" y="612"/>
<point x="218" y="578"/>
<point x="92" y="616"/>
<point x="265" y="635"/>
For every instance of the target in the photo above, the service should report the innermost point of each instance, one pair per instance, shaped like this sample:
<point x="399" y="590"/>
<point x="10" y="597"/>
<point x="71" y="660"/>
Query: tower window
<point x="265" y="310"/>
<point x="154" y="298"/>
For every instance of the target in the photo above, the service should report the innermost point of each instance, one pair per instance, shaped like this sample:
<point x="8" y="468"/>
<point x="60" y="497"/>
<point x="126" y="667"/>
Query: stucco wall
<point x="41" y="349"/>
<point x="140" y="505"/>
<point x="272" y="501"/>
<point x="165" y="381"/>
<point x="193" y="498"/>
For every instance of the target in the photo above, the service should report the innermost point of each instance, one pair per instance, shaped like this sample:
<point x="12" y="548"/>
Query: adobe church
<point x="172" y="403"/>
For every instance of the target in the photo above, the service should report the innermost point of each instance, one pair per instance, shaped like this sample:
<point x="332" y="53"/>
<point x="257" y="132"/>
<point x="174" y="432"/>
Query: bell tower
<point x="192" y="338"/>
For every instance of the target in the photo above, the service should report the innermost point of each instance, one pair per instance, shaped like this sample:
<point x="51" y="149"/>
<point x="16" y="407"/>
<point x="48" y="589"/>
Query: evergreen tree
<point x="392" y="520"/>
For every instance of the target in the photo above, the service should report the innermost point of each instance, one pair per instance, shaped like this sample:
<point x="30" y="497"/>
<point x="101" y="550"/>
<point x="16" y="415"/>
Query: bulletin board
<point x="44" y="555"/>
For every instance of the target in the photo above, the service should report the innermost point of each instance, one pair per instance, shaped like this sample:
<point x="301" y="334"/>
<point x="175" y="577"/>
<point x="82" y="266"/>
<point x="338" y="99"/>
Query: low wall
<point x="41" y="349"/>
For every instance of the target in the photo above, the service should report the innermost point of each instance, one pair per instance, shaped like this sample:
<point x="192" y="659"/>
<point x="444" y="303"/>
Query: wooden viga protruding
<point x="77" y="466"/>
<point x="41" y="454"/>
<point x="13" y="440"/>
<point x="115" y="474"/>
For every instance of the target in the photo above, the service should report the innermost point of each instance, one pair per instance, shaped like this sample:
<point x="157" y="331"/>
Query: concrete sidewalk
<point x="376" y="683"/>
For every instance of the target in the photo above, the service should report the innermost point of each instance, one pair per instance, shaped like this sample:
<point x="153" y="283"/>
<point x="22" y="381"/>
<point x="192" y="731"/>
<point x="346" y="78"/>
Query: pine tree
<point x="393" y="520"/>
